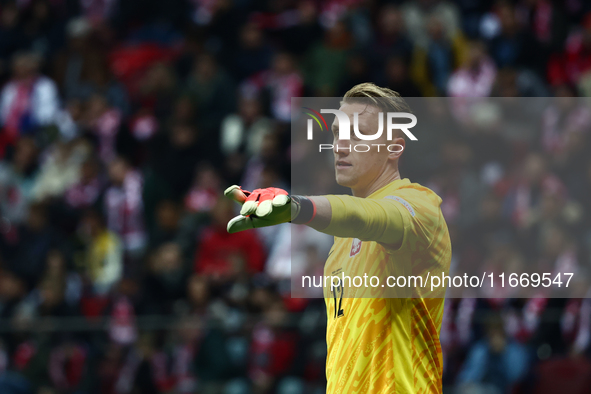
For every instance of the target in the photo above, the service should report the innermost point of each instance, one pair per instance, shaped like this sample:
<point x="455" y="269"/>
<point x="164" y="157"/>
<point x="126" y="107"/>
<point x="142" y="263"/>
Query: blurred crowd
<point x="124" y="120"/>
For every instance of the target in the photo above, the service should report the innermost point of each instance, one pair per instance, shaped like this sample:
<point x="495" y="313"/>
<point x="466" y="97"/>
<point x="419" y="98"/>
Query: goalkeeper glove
<point x="268" y="207"/>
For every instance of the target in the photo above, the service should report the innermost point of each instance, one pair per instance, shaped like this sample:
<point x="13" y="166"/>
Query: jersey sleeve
<point x="392" y="221"/>
<point x="365" y="219"/>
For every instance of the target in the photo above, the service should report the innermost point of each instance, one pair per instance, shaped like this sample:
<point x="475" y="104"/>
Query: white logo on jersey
<point x="403" y="202"/>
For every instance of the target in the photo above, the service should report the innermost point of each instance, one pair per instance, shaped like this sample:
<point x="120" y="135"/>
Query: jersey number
<point x="338" y="303"/>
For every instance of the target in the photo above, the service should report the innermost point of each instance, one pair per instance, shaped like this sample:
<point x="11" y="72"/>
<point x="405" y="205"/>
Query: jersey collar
<point x="396" y="184"/>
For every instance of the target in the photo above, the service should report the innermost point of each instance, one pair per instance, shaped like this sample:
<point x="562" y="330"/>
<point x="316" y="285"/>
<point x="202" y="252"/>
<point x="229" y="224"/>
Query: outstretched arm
<point x="353" y="217"/>
<point x="340" y="216"/>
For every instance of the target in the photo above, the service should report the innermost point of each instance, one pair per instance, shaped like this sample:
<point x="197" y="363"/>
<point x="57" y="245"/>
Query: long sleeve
<point x="366" y="219"/>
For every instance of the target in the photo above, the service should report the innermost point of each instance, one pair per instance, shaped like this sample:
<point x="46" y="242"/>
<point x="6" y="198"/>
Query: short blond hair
<point x="383" y="98"/>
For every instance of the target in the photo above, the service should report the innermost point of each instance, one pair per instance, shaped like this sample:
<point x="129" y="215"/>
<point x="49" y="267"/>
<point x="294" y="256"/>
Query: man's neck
<point x="377" y="185"/>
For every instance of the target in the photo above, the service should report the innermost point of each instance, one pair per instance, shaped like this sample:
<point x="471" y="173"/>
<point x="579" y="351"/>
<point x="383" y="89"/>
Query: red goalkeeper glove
<point x="268" y="207"/>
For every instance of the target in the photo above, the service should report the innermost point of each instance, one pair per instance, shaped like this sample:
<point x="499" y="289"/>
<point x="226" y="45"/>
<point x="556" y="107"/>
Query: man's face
<point x="358" y="170"/>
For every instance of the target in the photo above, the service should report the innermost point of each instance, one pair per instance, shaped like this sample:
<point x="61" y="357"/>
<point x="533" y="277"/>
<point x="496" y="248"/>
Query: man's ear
<point x="396" y="147"/>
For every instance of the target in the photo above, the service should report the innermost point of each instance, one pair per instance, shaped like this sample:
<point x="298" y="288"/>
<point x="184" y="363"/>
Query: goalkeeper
<point x="389" y="226"/>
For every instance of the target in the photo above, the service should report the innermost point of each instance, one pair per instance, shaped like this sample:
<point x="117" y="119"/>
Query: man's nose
<point x="341" y="147"/>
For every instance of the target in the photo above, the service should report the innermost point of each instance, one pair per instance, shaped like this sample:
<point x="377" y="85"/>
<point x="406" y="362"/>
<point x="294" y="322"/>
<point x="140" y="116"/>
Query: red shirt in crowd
<point x="221" y="253"/>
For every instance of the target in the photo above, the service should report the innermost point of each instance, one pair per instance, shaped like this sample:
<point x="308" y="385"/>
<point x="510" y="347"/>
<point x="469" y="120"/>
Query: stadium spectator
<point x="281" y="82"/>
<point x="103" y="261"/>
<point x="29" y="101"/>
<point x="12" y="36"/>
<point x="18" y="178"/>
<point x="254" y="54"/>
<point x="103" y="123"/>
<point x="166" y="278"/>
<point x="244" y="131"/>
<point x="85" y="192"/>
<point x="273" y="349"/>
<point x="205" y="191"/>
<point x="60" y="170"/>
<point x="123" y="205"/>
<point x="325" y="63"/>
<point x="212" y="93"/>
<point x="224" y="256"/>
<point x="476" y="76"/>
<point x="397" y="77"/>
<point x="495" y="364"/>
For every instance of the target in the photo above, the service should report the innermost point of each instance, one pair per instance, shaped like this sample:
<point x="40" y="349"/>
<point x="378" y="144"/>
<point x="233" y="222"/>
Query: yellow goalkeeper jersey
<point x="384" y="339"/>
